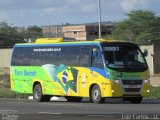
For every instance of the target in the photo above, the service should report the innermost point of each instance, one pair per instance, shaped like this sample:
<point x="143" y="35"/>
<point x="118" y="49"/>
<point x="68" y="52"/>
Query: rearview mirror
<point x="145" y="53"/>
<point x="94" y="52"/>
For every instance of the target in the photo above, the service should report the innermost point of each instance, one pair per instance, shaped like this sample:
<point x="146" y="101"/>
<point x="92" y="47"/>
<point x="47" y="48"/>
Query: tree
<point x="9" y="35"/>
<point x="33" y="32"/>
<point x="140" y="27"/>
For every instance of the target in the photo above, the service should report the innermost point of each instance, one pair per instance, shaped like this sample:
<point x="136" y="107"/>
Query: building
<point x="52" y="31"/>
<point x="48" y="31"/>
<point x="87" y="32"/>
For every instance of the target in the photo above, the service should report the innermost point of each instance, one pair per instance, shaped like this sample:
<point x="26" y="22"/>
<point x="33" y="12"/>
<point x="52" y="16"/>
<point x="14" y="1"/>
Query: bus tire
<point x="74" y="99"/>
<point x="96" y="96"/>
<point x="135" y="100"/>
<point x="38" y="96"/>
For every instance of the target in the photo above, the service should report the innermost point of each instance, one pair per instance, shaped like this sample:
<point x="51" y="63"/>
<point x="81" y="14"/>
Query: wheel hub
<point x="38" y="93"/>
<point x="96" y="94"/>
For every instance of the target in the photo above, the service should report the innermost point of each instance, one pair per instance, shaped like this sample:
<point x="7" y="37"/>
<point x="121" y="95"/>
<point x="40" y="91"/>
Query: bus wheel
<point x="37" y="94"/>
<point x="135" y="100"/>
<point x="96" y="95"/>
<point x="74" y="99"/>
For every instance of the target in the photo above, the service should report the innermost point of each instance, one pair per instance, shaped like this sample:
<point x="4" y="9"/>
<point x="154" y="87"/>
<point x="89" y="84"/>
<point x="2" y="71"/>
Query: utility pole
<point x="99" y="17"/>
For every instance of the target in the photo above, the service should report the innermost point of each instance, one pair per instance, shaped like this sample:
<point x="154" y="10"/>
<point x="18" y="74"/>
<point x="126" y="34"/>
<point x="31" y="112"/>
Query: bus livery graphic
<point x="95" y="69"/>
<point x="65" y="81"/>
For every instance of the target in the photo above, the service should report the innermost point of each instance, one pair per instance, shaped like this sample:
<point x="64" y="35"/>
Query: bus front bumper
<point x="121" y="89"/>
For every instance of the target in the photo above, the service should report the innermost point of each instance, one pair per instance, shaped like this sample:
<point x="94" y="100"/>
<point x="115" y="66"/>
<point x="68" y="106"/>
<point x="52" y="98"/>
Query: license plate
<point x="132" y="86"/>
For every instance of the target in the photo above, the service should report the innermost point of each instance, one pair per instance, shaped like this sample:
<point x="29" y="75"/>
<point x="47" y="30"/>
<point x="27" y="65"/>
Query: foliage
<point x="33" y="32"/>
<point x="9" y="34"/>
<point x="140" y="27"/>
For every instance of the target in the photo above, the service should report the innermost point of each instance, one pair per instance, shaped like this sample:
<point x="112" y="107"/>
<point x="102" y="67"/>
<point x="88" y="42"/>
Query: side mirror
<point x="145" y="53"/>
<point x="94" y="52"/>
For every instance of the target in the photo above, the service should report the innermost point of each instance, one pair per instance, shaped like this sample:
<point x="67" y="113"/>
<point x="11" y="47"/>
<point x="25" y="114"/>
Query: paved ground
<point x="155" y="80"/>
<point x="61" y="110"/>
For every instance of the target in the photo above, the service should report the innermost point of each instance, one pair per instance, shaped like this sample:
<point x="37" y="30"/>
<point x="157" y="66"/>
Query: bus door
<point x="97" y="59"/>
<point x="97" y="64"/>
<point x="84" y="72"/>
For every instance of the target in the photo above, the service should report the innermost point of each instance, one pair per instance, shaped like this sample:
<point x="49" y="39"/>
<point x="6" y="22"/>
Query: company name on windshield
<point x="47" y="50"/>
<point x="111" y="48"/>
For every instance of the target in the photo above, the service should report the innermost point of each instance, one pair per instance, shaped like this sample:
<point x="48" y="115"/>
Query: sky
<point x="56" y="12"/>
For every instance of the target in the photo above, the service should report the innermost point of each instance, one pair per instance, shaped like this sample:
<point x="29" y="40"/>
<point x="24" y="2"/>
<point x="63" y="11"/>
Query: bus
<point x="98" y="69"/>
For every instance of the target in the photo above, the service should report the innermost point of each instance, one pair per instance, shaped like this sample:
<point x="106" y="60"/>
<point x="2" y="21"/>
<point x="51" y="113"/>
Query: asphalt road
<point x="62" y="110"/>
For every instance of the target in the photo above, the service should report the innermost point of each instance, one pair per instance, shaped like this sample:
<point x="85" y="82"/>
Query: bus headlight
<point x="117" y="81"/>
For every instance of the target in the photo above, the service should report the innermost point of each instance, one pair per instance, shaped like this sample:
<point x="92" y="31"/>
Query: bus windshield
<point x="124" y="57"/>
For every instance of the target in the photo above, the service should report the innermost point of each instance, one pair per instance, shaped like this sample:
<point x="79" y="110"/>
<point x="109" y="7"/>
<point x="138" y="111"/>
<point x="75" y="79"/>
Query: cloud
<point x="27" y="12"/>
<point x="53" y="10"/>
<point x="30" y="4"/>
<point x="72" y="11"/>
<point x="128" y="5"/>
<point x="4" y="15"/>
<point x="89" y="8"/>
<point x="72" y="8"/>
<point x="74" y="1"/>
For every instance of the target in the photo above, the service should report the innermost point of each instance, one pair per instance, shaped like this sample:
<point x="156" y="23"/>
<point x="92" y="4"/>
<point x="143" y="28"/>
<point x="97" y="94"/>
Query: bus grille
<point x="132" y="82"/>
<point x="132" y="85"/>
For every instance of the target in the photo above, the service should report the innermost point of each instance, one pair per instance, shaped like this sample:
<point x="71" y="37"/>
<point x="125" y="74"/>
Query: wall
<point x="153" y="57"/>
<point x="156" y="57"/>
<point x="5" y="55"/>
<point x="86" y="32"/>
<point x="149" y="58"/>
<point x="76" y="32"/>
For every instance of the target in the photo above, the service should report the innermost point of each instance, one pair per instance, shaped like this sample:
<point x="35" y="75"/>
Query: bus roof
<point x="59" y="41"/>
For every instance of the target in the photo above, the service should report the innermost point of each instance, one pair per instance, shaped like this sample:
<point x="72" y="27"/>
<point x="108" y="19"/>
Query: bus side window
<point x="97" y="60"/>
<point x="36" y="59"/>
<point x="27" y="56"/>
<point x="17" y="57"/>
<point x="84" y="58"/>
<point x="72" y="55"/>
<point x="60" y="57"/>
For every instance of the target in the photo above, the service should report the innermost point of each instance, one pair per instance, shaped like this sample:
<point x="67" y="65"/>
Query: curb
<point x="30" y="97"/>
<point x="155" y="85"/>
<point x="52" y="98"/>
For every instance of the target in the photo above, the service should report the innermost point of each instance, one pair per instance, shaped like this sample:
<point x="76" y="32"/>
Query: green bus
<point x="97" y="69"/>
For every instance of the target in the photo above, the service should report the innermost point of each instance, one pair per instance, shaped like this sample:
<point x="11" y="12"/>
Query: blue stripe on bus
<point x="100" y="71"/>
<point x="45" y="45"/>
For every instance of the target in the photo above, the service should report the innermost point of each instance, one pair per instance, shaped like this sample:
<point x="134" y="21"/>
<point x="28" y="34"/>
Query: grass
<point x="154" y="93"/>
<point x="6" y="93"/>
